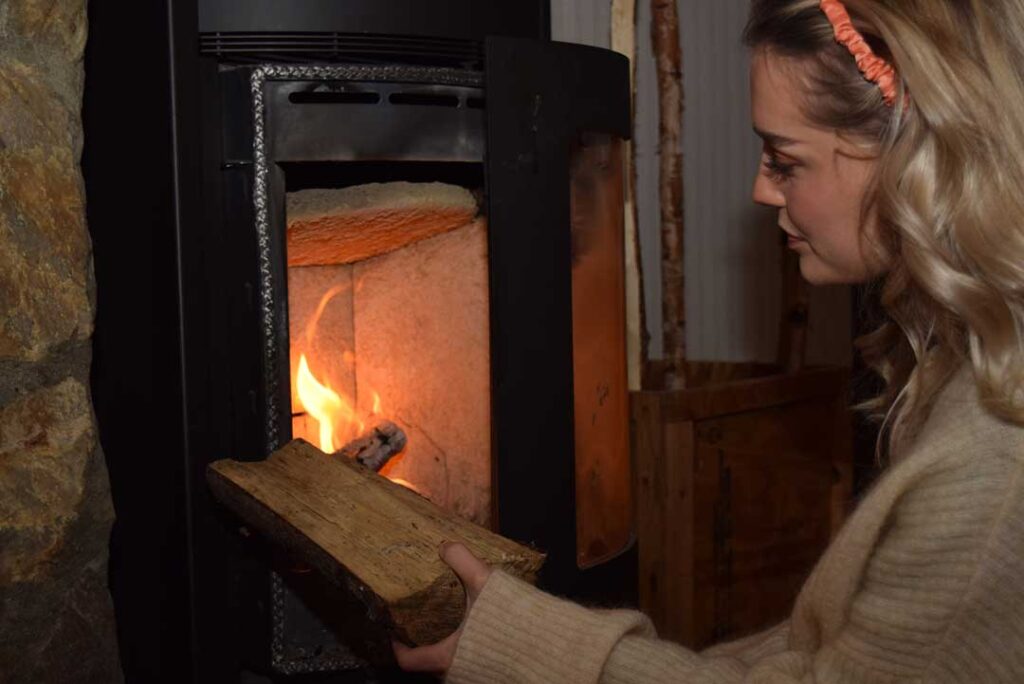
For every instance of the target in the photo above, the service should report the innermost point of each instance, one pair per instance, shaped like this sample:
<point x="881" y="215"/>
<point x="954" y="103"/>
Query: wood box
<point x="741" y="481"/>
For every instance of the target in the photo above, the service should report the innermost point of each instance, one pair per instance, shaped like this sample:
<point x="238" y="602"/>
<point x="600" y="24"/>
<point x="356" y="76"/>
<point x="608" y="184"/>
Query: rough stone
<point x="56" y="23"/>
<point x="45" y="442"/>
<point x="19" y="378"/>
<point x="45" y="265"/>
<point x="56" y="616"/>
<point x="55" y="517"/>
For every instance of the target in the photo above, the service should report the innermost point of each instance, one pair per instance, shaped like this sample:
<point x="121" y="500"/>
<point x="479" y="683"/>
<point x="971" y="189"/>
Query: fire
<point x="325" y="405"/>
<point x="335" y="413"/>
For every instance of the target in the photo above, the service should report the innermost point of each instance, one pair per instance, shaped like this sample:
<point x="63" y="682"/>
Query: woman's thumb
<point x="471" y="570"/>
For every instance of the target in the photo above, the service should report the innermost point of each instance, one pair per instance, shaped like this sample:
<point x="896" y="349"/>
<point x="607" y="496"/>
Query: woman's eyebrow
<point x="774" y="139"/>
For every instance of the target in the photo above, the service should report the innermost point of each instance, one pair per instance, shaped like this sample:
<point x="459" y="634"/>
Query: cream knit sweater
<point x="925" y="583"/>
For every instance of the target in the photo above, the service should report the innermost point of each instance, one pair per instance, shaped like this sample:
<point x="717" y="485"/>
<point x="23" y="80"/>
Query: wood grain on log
<point x="365" y="533"/>
<point x="345" y="225"/>
<point x="668" y="60"/>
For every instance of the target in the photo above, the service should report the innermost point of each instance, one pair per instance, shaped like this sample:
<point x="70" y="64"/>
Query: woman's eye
<point x="778" y="171"/>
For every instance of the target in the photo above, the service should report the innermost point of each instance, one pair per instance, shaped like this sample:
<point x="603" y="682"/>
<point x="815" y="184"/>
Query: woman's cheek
<point x="800" y="215"/>
<point x="815" y="207"/>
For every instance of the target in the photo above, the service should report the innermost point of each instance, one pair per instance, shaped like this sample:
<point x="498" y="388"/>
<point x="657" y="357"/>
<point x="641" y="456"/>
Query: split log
<point x="365" y="533"/>
<point x="375" y="448"/>
<point x="346" y="225"/>
<point x="668" y="60"/>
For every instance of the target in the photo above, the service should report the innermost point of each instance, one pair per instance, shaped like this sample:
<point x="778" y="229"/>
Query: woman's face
<point x="816" y="179"/>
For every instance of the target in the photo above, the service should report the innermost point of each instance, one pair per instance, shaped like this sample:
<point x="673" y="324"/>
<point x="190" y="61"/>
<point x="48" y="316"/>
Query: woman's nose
<point x="766" y="192"/>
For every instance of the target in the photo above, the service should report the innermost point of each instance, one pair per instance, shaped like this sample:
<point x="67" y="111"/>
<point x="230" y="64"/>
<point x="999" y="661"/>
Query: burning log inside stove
<point x="365" y="533"/>
<point x="375" y="448"/>
<point x="388" y="305"/>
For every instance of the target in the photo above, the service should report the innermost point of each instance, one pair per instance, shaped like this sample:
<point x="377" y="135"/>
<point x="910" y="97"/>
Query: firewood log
<point x="365" y="533"/>
<point x="377" y="446"/>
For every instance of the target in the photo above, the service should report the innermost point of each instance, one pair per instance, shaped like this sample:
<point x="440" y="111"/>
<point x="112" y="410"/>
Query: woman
<point x="894" y="151"/>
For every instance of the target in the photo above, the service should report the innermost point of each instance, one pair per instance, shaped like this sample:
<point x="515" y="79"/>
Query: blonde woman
<point x="894" y="152"/>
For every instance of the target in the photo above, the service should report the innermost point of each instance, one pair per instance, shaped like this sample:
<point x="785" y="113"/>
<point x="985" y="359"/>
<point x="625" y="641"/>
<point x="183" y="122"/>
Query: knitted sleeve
<point x="517" y="633"/>
<point x="938" y="600"/>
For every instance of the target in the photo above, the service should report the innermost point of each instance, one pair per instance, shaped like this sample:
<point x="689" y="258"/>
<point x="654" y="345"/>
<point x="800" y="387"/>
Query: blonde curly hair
<point x="948" y="191"/>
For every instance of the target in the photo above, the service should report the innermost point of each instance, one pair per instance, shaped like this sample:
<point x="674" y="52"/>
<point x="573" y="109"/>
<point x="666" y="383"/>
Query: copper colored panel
<point x="604" y="510"/>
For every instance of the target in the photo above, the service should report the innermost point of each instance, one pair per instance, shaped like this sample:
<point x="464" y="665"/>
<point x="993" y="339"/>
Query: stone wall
<point x="56" y="619"/>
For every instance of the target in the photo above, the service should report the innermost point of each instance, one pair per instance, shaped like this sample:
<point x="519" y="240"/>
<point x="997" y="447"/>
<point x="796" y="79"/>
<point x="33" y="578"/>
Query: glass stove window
<point x="604" y="510"/>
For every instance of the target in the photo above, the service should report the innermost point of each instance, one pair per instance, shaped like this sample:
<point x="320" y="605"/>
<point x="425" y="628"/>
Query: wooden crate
<point x="741" y="481"/>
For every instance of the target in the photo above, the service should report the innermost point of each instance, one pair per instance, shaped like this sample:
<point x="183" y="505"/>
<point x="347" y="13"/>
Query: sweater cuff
<point x="517" y="633"/>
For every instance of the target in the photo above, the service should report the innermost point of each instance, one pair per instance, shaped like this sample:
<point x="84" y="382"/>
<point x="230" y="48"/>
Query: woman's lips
<point x="793" y="240"/>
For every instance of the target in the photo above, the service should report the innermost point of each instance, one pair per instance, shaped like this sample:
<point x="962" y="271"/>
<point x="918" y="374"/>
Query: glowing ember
<point x="376" y="404"/>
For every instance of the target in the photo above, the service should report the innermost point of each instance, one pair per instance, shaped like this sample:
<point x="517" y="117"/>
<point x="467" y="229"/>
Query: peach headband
<point x="874" y="68"/>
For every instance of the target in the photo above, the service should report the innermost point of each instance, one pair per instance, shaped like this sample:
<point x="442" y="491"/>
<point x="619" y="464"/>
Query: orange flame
<point x="335" y="414"/>
<point x="325" y="405"/>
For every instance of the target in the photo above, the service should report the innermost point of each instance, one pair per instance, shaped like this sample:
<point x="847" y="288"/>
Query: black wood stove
<point x="202" y="119"/>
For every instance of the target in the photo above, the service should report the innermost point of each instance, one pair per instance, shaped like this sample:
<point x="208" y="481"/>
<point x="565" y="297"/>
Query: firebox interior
<point x="388" y="319"/>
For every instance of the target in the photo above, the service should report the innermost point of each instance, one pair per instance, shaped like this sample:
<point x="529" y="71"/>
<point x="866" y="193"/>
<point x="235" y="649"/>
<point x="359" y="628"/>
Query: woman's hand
<point x="437" y="658"/>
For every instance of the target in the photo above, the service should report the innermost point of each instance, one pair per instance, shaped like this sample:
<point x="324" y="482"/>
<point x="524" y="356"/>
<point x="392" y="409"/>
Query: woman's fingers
<point x="436" y="658"/>
<point x="471" y="570"/>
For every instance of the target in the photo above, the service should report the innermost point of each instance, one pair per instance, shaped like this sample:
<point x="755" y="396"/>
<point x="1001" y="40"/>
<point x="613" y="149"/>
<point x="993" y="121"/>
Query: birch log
<point x="668" y="60"/>
<point x="623" y="41"/>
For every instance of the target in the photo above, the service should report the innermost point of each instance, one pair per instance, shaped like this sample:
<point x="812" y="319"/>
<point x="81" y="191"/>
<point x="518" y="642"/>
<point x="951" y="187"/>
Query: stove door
<point x="556" y="117"/>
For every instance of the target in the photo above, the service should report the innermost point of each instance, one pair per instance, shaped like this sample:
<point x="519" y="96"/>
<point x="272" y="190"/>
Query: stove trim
<point x="271" y="310"/>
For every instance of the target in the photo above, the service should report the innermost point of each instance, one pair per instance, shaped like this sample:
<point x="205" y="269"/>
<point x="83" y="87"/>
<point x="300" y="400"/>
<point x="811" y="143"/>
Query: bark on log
<point x="365" y="533"/>
<point x="668" y="60"/>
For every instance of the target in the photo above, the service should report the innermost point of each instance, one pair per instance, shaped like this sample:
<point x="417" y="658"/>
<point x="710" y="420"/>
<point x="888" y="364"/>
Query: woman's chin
<point x="817" y="272"/>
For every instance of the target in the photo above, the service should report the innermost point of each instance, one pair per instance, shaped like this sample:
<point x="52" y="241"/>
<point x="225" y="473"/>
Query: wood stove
<point x="495" y="342"/>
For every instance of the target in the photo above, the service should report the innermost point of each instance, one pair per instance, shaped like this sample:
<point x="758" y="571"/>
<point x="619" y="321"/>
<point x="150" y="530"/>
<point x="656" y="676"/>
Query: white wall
<point x="586" y="22"/>
<point x="732" y="248"/>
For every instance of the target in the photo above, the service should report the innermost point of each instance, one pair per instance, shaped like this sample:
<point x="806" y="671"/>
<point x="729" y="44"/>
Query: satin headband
<point x="874" y="68"/>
